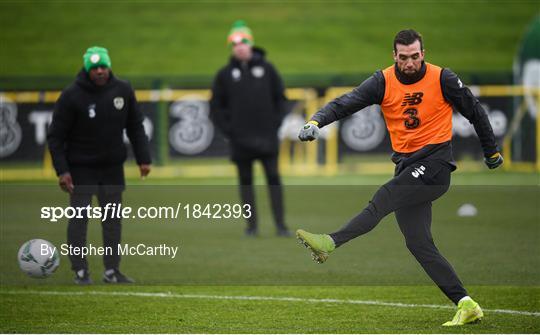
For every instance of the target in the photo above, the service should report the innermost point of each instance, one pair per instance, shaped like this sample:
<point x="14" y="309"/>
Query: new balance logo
<point x="418" y="171"/>
<point x="412" y="98"/>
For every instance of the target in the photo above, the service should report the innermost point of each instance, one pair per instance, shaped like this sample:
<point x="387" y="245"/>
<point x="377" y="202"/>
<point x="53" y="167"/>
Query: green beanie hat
<point x="240" y="33"/>
<point x="96" y="56"/>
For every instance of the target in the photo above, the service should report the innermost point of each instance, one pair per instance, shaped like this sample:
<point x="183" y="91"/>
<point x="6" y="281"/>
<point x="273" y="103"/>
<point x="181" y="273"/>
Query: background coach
<point x="88" y="152"/>
<point x="248" y="106"/>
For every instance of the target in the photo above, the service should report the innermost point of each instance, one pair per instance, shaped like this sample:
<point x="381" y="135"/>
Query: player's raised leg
<point x="402" y="191"/>
<point x="320" y="245"/>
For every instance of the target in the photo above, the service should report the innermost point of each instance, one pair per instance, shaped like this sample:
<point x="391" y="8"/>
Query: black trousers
<point x="409" y="195"/>
<point x="247" y="193"/>
<point x="107" y="184"/>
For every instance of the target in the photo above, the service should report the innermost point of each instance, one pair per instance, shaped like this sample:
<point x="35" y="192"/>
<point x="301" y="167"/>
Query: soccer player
<point x="416" y="99"/>
<point x="247" y="105"/>
<point x="88" y="152"/>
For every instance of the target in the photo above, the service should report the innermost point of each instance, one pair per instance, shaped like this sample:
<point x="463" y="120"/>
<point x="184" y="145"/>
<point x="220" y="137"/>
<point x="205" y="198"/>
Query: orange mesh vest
<point x="416" y="114"/>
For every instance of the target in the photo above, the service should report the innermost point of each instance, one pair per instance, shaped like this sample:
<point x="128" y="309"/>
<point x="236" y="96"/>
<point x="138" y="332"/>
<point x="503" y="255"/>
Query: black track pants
<point x="111" y="230"/>
<point x="409" y="196"/>
<point x="247" y="193"/>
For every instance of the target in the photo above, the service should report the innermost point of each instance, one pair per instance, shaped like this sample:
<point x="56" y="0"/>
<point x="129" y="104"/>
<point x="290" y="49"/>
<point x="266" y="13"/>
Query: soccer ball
<point x="38" y="258"/>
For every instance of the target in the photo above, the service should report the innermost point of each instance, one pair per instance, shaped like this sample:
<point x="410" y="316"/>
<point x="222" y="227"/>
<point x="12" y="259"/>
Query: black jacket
<point x="371" y="92"/>
<point x="247" y="105"/>
<point x="88" y="124"/>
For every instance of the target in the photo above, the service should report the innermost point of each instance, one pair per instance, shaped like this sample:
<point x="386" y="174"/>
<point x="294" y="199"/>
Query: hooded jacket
<point x="248" y="105"/>
<point x="88" y="125"/>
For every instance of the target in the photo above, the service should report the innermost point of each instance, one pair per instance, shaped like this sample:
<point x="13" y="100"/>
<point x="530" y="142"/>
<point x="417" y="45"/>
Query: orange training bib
<point x="416" y="114"/>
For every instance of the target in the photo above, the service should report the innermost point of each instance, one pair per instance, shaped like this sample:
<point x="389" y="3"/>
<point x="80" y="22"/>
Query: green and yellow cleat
<point x="468" y="312"/>
<point x="320" y="245"/>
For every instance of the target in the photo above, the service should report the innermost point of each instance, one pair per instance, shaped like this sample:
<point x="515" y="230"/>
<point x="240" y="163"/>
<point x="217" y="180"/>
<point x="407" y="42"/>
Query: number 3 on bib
<point x="412" y="121"/>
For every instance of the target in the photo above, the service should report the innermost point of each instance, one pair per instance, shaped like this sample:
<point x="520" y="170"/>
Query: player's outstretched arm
<point x="370" y="92"/>
<point x="468" y="105"/>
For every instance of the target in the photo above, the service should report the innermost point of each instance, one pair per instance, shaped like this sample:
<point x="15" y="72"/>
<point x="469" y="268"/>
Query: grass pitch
<point x="222" y="282"/>
<point x="181" y="309"/>
<point x="182" y="38"/>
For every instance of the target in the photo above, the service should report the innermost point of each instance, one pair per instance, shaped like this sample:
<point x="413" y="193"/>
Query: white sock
<point x="464" y="299"/>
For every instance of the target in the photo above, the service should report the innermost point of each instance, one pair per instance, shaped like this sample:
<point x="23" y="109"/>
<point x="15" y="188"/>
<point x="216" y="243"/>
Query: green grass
<point x="94" y="313"/>
<point x="495" y="254"/>
<point x="304" y="37"/>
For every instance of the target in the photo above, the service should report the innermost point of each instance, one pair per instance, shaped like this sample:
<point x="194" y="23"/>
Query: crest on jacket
<point x="236" y="74"/>
<point x="257" y="71"/>
<point x="118" y="103"/>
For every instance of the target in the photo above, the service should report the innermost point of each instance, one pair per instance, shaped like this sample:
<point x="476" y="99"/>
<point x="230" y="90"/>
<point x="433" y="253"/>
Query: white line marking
<point x="260" y="298"/>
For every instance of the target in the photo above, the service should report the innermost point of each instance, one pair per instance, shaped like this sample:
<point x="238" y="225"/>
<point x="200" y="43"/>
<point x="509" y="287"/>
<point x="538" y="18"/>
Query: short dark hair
<point x="408" y="37"/>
